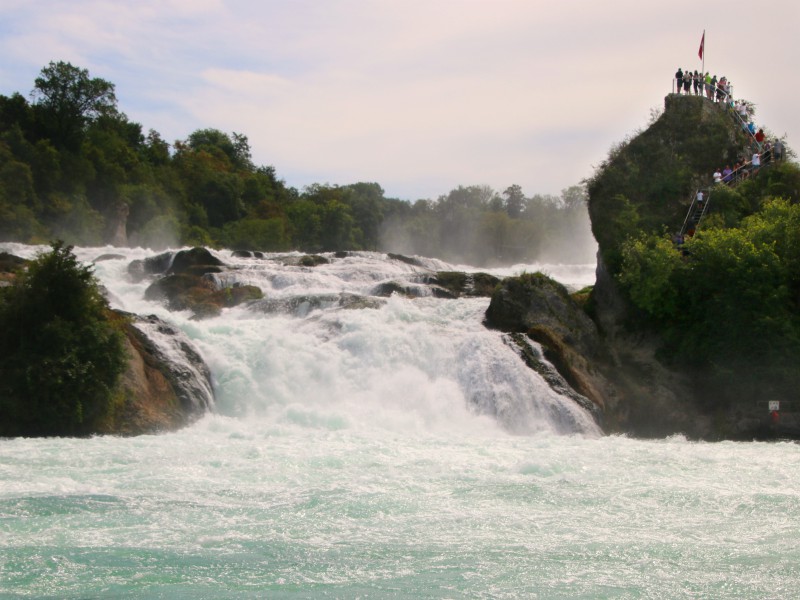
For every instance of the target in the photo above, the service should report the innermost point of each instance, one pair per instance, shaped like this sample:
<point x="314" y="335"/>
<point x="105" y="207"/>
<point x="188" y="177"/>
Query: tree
<point x="236" y="147"/>
<point x="515" y="201"/>
<point x="67" y="99"/>
<point x="60" y="356"/>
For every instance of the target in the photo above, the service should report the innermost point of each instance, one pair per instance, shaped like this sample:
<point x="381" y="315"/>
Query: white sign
<point x="774" y="405"/>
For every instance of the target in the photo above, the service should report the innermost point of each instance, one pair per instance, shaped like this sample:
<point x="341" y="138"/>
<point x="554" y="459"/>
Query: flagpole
<point x="703" y="52"/>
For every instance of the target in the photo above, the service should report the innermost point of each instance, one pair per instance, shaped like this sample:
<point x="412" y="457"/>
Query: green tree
<point x="515" y="201"/>
<point x="60" y="356"/>
<point x="650" y="264"/>
<point x="267" y="235"/>
<point x="235" y="147"/>
<point x="67" y="99"/>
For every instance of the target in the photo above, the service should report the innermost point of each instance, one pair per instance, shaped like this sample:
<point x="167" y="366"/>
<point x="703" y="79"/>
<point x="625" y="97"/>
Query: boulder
<point x="10" y="265"/>
<point x="534" y="302"/>
<point x="542" y="309"/>
<point x="199" y="293"/>
<point x="313" y="260"/>
<point x="152" y="265"/>
<point x="166" y="384"/>
<point x="460" y="284"/>
<point x="197" y="261"/>
<point x="616" y="369"/>
<point x="105" y="257"/>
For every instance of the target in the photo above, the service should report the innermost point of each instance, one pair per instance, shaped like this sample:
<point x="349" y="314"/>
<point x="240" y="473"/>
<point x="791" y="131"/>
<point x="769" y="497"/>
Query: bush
<point x="60" y="355"/>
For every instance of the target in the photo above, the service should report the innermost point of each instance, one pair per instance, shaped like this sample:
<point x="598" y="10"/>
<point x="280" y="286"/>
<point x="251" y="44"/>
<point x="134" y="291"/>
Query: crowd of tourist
<point x="719" y="90"/>
<point x="763" y="150"/>
<point x="702" y="84"/>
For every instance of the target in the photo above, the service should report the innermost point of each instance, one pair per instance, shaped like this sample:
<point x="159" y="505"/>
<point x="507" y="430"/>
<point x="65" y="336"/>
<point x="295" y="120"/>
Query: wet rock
<point x="463" y="284"/>
<point x="301" y="306"/>
<point x="541" y="308"/>
<point x="387" y="288"/>
<point x="105" y="257"/>
<point x="166" y="384"/>
<point x="188" y="291"/>
<point x="406" y="259"/>
<point x="153" y="265"/>
<point x="313" y="260"/>
<point x="196" y="261"/>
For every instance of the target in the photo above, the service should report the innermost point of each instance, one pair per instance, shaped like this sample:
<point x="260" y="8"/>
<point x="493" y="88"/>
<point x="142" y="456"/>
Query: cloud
<point x="420" y="96"/>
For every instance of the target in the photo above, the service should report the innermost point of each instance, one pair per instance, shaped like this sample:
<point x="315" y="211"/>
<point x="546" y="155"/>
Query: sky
<point x="420" y="96"/>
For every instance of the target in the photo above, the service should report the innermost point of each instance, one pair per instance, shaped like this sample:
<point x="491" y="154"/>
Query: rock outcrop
<point x="540" y="308"/>
<point x="166" y="384"/>
<point x="617" y="371"/>
<point x="619" y="359"/>
<point x="188" y="282"/>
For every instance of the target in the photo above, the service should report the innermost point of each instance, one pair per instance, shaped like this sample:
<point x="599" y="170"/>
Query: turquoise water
<point x="397" y="452"/>
<point x="229" y="509"/>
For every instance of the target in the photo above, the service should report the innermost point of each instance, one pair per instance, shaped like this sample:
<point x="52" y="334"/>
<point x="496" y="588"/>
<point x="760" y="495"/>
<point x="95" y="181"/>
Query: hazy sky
<point x="418" y="95"/>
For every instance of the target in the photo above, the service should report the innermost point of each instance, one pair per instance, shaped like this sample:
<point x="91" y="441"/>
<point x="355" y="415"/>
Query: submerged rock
<point x="387" y="288"/>
<point x="406" y="259"/>
<point x="300" y="306"/>
<point x="313" y="260"/>
<point x="458" y="283"/>
<point x="105" y="257"/>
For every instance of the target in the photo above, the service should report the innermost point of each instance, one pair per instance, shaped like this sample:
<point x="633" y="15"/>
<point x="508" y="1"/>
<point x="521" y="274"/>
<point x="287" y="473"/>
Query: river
<point x="398" y="451"/>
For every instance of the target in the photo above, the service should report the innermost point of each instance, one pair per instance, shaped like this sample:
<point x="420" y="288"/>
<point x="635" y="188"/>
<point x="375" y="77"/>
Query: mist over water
<point x="397" y="451"/>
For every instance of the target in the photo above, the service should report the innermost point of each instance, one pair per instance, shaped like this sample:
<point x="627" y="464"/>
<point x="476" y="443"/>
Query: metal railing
<point x="692" y="216"/>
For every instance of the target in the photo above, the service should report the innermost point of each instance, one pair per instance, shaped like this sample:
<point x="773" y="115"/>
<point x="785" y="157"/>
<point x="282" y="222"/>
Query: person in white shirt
<point x="743" y="111"/>
<point x="717" y="176"/>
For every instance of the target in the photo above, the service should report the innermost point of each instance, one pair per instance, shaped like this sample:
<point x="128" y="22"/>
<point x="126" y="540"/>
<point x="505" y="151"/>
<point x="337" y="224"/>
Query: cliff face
<point x="617" y="372"/>
<point x="647" y="181"/>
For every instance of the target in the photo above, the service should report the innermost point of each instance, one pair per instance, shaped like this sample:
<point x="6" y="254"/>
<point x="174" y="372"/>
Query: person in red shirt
<point x="760" y="137"/>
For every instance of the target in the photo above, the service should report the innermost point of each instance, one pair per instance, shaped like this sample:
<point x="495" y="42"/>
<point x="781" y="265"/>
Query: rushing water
<point x="398" y="451"/>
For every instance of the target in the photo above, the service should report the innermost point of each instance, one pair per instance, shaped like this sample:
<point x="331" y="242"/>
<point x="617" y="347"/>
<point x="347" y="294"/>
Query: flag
<point x="702" y="46"/>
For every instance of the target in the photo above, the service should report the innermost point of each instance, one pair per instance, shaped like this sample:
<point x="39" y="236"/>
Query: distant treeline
<point x="74" y="167"/>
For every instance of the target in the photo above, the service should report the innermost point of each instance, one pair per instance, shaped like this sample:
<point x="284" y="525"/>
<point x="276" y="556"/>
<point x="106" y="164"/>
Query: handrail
<point x="734" y="178"/>
<point x="693" y="210"/>
<point x="720" y="96"/>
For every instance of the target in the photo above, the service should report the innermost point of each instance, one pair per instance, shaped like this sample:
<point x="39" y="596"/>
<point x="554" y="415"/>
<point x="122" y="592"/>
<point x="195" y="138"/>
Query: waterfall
<point x="329" y="346"/>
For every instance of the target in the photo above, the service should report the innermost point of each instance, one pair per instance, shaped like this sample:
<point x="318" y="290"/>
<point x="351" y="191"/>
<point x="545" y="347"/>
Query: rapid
<point x="386" y="449"/>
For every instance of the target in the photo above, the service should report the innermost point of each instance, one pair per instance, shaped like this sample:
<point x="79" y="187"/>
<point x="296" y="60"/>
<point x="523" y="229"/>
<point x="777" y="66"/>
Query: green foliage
<point x="69" y="160"/>
<point x="60" y="356"/>
<point x="67" y="99"/>
<point x="266" y="235"/>
<point x="649" y="265"/>
<point x="658" y="170"/>
<point x="730" y="308"/>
